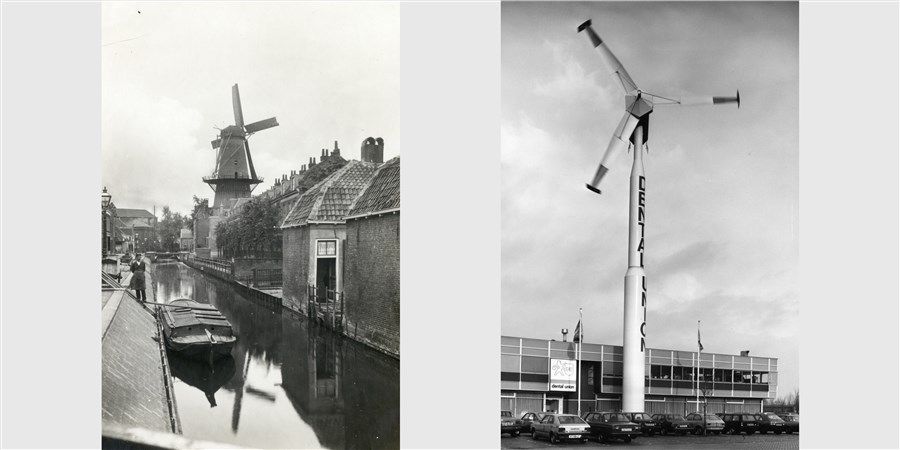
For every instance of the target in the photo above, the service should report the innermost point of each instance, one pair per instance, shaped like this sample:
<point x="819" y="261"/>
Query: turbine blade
<point x="236" y="104"/>
<point x="612" y="63"/>
<point x="617" y="143"/>
<point x="261" y="125"/>
<point x="659" y="100"/>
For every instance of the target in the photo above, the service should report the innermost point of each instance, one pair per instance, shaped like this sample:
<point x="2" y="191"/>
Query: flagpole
<point x="578" y="358"/>
<point x="697" y="376"/>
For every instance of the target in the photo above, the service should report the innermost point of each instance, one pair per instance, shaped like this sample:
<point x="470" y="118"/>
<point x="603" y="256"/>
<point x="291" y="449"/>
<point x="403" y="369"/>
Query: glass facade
<point x="670" y="376"/>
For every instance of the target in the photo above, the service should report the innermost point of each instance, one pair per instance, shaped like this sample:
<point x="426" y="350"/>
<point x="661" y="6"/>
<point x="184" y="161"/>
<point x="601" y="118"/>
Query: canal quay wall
<point x="360" y="331"/>
<point x="137" y="383"/>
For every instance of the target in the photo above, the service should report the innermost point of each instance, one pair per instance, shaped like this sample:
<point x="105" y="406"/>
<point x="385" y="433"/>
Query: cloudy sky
<point x="326" y="71"/>
<point x="722" y="182"/>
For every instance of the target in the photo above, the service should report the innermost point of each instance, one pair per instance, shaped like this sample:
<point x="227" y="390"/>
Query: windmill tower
<point x="234" y="175"/>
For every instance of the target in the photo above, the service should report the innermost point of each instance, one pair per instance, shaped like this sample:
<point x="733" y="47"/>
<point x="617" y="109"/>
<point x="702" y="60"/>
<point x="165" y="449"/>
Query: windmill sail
<point x="236" y="104"/>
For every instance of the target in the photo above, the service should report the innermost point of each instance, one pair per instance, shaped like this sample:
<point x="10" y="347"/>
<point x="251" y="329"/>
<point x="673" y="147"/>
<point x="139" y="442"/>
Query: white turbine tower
<point x="633" y="127"/>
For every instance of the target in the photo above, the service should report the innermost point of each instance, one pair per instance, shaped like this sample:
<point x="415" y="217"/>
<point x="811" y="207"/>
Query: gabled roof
<point x="134" y="213"/>
<point x="131" y="222"/>
<point x="382" y="193"/>
<point x="330" y="199"/>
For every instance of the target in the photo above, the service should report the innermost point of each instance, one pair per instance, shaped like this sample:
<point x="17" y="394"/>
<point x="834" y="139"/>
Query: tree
<point x="168" y="230"/>
<point x="252" y="231"/>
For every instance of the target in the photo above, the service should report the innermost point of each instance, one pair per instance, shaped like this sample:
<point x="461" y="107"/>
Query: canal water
<point x="288" y="384"/>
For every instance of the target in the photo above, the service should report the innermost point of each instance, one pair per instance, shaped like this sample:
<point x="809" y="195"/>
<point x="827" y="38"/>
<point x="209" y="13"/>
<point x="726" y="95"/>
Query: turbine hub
<point x="637" y="105"/>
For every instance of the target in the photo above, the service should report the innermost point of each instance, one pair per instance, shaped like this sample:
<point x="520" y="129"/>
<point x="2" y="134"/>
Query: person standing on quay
<point x="138" y="281"/>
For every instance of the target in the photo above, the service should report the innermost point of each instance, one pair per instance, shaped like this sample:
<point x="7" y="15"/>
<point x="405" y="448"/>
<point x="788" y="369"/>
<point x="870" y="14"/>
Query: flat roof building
<point x="540" y="375"/>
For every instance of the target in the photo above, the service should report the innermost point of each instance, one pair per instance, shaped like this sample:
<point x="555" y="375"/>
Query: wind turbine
<point x="633" y="128"/>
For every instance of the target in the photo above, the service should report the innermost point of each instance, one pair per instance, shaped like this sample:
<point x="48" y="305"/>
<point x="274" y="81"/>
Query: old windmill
<point x="234" y="175"/>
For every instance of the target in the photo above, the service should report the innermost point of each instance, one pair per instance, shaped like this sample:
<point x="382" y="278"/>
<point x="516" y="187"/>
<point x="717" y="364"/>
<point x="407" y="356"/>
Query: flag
<point x="698" y="338"/>
<point x="577" y="337"/>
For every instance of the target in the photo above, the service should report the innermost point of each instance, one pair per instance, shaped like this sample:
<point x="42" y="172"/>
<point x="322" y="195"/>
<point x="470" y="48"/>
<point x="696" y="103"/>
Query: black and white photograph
<point x="656" y="219"/>
<point x="649" y="224"/>
<point x="251" y="293"/>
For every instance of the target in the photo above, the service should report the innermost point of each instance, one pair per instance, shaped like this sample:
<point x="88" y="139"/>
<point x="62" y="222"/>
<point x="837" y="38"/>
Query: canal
<point x="288" y="384"/>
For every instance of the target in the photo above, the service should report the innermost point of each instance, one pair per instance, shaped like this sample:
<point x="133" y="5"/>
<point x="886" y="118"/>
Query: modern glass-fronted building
<point x="540" y="375"/>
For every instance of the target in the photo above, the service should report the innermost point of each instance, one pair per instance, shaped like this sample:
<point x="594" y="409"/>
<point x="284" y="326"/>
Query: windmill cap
<point x="584" y="25"/>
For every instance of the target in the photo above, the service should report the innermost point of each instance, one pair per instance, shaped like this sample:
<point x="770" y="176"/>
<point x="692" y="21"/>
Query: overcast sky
<point x="722" y="182"/>
<point x="326" y="71"/>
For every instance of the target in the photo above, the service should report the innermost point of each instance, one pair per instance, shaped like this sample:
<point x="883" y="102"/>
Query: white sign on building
<point x="563" y="375"/>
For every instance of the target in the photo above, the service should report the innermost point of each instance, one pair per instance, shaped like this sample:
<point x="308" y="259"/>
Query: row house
<point x="341" y="243"/>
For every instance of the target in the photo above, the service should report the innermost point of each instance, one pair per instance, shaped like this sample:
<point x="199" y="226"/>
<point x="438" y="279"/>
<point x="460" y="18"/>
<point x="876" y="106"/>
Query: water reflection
<point x="292" y="384"/>
<point x="201" y="375"/>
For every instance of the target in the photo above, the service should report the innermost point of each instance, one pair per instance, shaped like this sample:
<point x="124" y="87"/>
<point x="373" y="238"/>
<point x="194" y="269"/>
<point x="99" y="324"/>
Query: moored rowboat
<point x="196" y="329"/>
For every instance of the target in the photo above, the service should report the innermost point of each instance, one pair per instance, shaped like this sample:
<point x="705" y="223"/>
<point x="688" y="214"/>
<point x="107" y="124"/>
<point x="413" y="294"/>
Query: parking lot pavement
<point x="756" y="441"/>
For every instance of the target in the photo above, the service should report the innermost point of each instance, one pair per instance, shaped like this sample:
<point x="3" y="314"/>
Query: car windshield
<point x="712" y="417"/>
<point x="564" y="420"/>
<point x="616" y="418"/>
<point x="749" y="417"/>
<point x="505" y="413"/>
<point x="677" y="417"/>
<point x="642" y="417"/>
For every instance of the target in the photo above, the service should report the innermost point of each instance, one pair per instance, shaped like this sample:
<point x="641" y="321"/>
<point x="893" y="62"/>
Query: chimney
<point x="745" y="352"/>
<point x="336" y="151"/>
<point x="372" y="150"/>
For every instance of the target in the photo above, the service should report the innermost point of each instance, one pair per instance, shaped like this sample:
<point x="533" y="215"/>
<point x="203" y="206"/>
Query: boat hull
<point x="196" y="330"/>
<point x="201" y="349"/>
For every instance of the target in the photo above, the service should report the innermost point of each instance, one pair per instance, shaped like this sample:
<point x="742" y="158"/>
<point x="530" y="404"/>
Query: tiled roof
<point x="136" y="213"/>
<point x="330" y="199"/>
<point x="382" y="193"/>
<point x="129" y="222"/>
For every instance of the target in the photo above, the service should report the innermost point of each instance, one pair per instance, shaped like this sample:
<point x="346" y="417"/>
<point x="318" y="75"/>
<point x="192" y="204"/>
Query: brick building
<point x="372" y="267"/>
<point x="314" y="234"/>
<point x="137" y="227"/>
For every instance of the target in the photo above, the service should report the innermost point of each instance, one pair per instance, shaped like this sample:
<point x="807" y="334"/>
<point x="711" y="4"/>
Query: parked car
<point x="672" y="423"/>
<point x="612" y="425"/>
<point x="711" y="422"/>
<point x="561" y="427"/>
<point x="737" y="423"/>
<point x="769" y="421"/>
<point x="791" y="422"/>
<point x="126" y="258"/>
<point x="527" y="419"/>
<point x="509" y="424"/>
<point x="649" y="426"/>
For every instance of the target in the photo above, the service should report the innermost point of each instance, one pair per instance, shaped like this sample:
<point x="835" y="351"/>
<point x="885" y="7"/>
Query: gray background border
<point x="450" y="260"/>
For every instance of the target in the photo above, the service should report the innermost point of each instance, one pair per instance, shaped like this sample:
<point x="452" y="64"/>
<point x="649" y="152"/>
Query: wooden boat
<point x="195" y="329"/>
